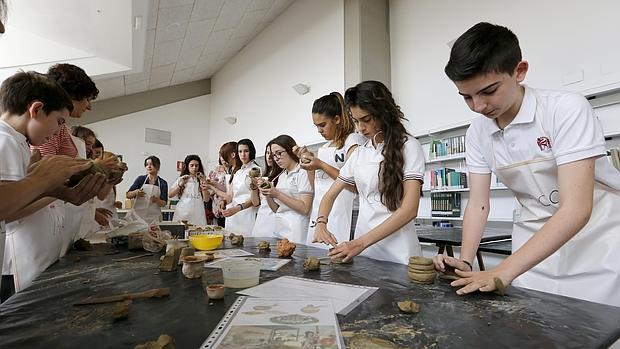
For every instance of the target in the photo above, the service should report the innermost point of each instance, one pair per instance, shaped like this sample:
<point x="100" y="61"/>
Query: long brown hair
<point x="225" y="150"/>
<point x="185" y="170"/>
<point x="271" y="172"/>
<point x="288" y="143"/>
<point x="375" y="98"/>
<point x="330" y="106"/>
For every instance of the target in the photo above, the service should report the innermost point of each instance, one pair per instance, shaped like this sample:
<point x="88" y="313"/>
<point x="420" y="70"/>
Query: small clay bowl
<point x="216" y="291"/>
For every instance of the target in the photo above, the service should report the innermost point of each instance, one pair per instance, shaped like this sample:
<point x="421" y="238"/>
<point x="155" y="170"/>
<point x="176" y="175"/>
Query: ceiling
<point x="189" y="40"/>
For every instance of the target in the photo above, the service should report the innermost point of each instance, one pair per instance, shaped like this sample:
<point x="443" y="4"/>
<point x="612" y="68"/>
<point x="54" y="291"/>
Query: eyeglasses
<point x="278" y="154"/>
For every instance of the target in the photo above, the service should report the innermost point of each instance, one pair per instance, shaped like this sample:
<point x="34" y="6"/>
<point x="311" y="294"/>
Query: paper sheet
<point x="344" y="297"/>
<point x="253" y="323"/>
<point x="225" y="253"/>
<point x="271" y="264"/>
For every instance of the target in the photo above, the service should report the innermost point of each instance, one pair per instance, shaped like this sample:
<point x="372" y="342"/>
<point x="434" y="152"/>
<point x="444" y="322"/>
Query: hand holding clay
<point x="231" y="211"/>
<point x="347" y="250"/>
<point x="140" y="193"/>
<point x="484" y="281"/>
<point x="54" y="170"/>
<point x="440" y="261"/>
<point x="85" y="190"/>
<point x="272" y="191"/>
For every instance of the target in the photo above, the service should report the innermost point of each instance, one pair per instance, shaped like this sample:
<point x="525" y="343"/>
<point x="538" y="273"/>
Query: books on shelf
<point x="446" y="178"/>
<point x="447" y="147"/>
<point x="446" y="204"/>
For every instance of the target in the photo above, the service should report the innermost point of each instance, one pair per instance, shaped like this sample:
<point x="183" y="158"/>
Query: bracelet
<point x="469" y="264"/>
<point x="319" y="220"/>
<point x="240" y="207"/>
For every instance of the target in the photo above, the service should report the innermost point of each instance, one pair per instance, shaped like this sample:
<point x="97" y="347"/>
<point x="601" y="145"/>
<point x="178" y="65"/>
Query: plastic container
<point x="241" y="274"/>
<point x="205" y="242"/>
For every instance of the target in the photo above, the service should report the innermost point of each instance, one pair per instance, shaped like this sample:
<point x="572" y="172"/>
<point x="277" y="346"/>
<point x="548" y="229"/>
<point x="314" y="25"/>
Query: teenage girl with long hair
<point x="334" y="123"/>
<point x="387" y="172"/>
<point x="191" y="189"/>
<point x="291" y="198"/>
<point x="265" y="219"/>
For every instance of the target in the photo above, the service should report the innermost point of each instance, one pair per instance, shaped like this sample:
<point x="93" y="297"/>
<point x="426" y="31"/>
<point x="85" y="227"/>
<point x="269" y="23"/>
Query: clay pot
<point x="216" y="291"/>
<point x="254" y="172"/>
<point x="192" y="266"/>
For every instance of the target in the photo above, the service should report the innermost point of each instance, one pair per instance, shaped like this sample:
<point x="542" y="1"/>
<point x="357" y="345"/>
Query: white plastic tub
<point x="240" y="274"/>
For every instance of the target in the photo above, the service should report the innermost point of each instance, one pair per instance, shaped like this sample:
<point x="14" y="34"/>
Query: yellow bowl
<point x="206" y="242"/>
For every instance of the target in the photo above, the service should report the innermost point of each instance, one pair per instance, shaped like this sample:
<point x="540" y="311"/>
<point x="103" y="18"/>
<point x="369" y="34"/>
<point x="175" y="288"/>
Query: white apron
<point x="398" y="246"/>
<point x="34" y="243"/>
<point x="265" y="220"/>
<point x="339" y="222"/>
<point x="289" y="223"/>
<point x="72" y="215"/>
<point x="241" y="222"/>
<point x="87" y="224"/>
<point x="144" y="207"/>
<point x="586" y="266"/>
<point x="191" y="205"/>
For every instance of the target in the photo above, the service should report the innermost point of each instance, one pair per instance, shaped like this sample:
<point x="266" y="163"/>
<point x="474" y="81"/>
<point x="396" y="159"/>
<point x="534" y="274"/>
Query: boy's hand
<point x="55" y="170"/>
<point x="85" y="190"/>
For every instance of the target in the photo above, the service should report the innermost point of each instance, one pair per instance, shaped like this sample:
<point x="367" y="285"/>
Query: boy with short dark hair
<point x="548" y="148"/>
<point x="32" y="108"/>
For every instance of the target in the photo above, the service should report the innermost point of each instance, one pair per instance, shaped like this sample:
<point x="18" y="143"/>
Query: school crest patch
<point x="543" y="143"/>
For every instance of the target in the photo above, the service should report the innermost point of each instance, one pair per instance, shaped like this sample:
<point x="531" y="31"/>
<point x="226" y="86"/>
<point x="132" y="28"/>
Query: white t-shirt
<point x="14" y="160"/>
<point x="571" y="132"/>
<point x="293" y="183"/>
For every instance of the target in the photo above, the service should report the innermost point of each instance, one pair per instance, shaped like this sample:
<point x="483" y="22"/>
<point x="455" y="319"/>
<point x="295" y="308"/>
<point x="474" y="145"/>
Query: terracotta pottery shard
<point x="312" y="263"/>
<point x="408" y="306"/>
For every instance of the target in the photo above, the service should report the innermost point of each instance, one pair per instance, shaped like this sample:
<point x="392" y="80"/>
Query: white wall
<point x="188" y="121"/>
<point x="559" y="41"/>
<point x="303" y="45"/>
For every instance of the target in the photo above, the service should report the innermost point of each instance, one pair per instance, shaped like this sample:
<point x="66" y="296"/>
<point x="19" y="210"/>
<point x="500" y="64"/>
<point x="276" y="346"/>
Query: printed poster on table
<point x="259" y="323"/>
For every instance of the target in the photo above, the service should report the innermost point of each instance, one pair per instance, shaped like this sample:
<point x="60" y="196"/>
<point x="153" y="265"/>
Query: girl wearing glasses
<point x="291" y="198"/>
<point x="335" y="125"/>
<point x="387" y="172"/>
<point x="265" y="218"/>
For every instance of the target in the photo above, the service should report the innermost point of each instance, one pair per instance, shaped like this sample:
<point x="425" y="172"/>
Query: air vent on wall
<point x="152" y="135"/>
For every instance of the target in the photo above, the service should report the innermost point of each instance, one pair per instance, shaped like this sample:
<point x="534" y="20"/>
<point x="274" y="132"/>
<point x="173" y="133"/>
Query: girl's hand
<point x="483" y="281"/>
<point x="231" y="211"/>
<point x="313" y="164"/>
<point x="347" y="250"/>
<point x="139" y="192"/>
<point x="322" y="235"/>
<point x="155" y="199"/>
<point x="272" y="192"/>
<point x="441" y="260"/>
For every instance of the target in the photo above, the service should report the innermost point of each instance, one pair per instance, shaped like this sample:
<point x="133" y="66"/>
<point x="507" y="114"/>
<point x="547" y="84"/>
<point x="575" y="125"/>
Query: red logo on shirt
<point x="543" y="143"/>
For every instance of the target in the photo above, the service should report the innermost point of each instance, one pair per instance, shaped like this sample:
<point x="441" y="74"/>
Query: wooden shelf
<point x="447" y="158"/>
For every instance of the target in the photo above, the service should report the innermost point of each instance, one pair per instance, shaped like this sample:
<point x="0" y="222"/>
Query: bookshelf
<point x="446" y="191"/>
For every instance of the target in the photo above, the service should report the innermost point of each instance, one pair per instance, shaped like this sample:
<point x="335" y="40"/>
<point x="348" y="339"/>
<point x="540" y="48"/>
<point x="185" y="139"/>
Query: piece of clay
<point x="415" y="267"/>
<point x="194" y="265"/>
<point x="263" y="246"/>
<point x="500" y="288"/>
<point x="121" y="310"/>
<point x="265" y="184"/>
<point x="216" y="291"/>
<point x="134" y="241"/>
<point x="408" y="306"/>
<point x="450" y="274"/>
<point x="82" y="245"/>
<point x="312" y="263"/>
<point x="418" y="260"/>
<point x="423" y="278"/>
<point x="186" y="252"/>
<point x="170" y="260"/>
<point x="163" y="342"/>
<point x="236" y="240"/>
<point x="286" y="248"/>
<point x="95" y="167"/>
<point x="254" y="172"/>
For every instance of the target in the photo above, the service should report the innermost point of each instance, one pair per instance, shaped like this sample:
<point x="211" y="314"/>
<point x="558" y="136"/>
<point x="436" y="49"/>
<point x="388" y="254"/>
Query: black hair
<point x="250" y="146"/>
<point x="483" y="48"/>
<point x="185" y="171"/>
<point x="332" y="105"/>
<point x="98" y="144"/>
<point x="155" y="161"/>
<point x="20" y="90"/>
<point x="74" y="80"/>
<point x="375" y="98"/>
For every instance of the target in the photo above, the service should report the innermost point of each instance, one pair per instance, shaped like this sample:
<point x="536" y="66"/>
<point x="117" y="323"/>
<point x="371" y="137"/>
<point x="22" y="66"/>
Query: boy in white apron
<point x="331" y="119"/>
<point x="387" y="172"/>
<point x="548" y="148"/>
<point x="33" y="241"/>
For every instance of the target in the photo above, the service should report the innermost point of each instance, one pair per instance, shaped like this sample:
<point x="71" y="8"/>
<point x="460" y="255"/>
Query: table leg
<point x="450" y="251"/>
<point x="479" y="258"/>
